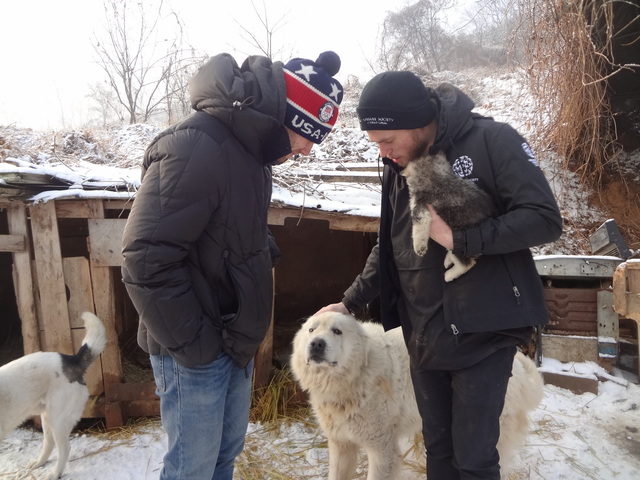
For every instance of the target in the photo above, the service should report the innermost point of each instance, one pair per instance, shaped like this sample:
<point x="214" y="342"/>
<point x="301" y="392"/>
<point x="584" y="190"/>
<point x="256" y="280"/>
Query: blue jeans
<point x="205" y="412"/>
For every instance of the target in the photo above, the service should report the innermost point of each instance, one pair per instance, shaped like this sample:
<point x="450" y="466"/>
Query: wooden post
<point x="264" y="356"/>
<point x="53" y="295"/>
<point x="626" y="294"/>
<point x="104" y="301"/>
<point x="23" y="280"/>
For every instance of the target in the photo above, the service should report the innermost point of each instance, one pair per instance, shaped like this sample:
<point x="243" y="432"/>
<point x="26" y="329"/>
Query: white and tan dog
<point x="360" y="389"/>
<point x="51" y="385"/>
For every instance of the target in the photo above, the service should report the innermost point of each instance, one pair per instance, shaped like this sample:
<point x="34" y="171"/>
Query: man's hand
<point x="334" y="307"/>
<point x="440" y="232"/>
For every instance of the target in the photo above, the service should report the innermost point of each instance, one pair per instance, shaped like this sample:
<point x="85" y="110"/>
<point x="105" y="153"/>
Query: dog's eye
<point x="337" y="331"/>
<point x="311" y="329"/>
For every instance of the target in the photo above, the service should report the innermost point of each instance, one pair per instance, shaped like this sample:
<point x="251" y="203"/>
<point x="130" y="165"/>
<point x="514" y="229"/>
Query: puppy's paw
<point x="449" y="259"/>
<point x="420" y="249"/>
<point x="459" y="267"/>
<point x="420" y="244"/>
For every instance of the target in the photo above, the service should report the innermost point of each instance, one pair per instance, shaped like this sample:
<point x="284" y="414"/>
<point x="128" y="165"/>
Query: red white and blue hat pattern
<point x="313" y="95"/>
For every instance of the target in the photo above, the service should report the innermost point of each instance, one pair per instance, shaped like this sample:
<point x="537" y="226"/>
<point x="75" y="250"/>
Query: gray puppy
<point x="459" y="202"/>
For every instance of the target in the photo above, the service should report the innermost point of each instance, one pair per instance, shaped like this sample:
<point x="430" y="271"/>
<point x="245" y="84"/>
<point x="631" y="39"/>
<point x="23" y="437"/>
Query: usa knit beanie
<point x="313" y="95"/>
<point x="395" y="101"/>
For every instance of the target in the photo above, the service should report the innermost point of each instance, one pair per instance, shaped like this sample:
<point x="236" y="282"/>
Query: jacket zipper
<point x="516" y="293"/>
<point x="514" y="287"/>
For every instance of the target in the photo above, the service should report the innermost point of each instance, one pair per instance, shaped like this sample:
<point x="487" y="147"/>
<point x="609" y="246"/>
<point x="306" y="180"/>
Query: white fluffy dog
<point x="51" y="385"/>
<point x="359" y="386"/>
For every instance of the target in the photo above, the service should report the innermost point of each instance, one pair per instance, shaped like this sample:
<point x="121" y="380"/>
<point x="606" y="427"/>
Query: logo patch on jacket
<point x="462" y="166"/>
<point x="529" y="153"/>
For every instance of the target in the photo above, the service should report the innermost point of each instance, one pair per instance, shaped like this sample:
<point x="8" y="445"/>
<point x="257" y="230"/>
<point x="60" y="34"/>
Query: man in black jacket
<point x="461" y="335"/>
<point x="198" y="255"/>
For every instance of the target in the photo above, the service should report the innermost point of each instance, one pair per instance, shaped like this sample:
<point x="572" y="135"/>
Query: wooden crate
<point x="66" y="259"/>
<point x="626" y="294"/>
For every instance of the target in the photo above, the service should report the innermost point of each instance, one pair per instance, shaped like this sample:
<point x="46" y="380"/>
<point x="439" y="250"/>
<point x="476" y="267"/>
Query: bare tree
<point x="263" y="38"/>
<point x="414" y="38"/>
<point x="498" y="28"/>
<point x="104" y="105"/>
<point x="145" y="70"/>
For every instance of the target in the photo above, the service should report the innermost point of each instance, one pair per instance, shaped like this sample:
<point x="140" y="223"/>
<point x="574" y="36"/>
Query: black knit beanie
<point x="395" y="101"/>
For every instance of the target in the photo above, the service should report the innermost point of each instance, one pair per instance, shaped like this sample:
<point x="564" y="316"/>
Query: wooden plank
<point x="53" y="297"/>
<point x="124" y="392"/>
<point x="33" y="178"/>
<point x="86" y="208"/>
<point x="125" y="400"/>
<point x="78" y="282"/>
<point x="577" y="385"/>
<point x="337" y="221"/>
<point x="123" y="205"/>
<point x="77" y="278"/>
<point x="263" y="363"/>
<point x="626" y="289"/>
<point x="83" y="208"/>
<point x="114" y="415"/>
<point x="369" y="177"/>
<point x="23" y="280"/>
<point x="142" y="408"/>
<point x="104" y="301"/>
<point x="105" y="241"/>
<point x="12" y="243"/>
<point x="633" y="276"/>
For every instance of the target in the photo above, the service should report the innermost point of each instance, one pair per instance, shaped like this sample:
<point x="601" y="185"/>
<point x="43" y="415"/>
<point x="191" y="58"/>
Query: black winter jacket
<point x="503" y="290"/>
<point x="197" y="259"/>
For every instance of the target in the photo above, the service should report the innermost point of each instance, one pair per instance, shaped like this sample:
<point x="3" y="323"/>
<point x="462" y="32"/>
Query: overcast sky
<point x="48" y="59"/>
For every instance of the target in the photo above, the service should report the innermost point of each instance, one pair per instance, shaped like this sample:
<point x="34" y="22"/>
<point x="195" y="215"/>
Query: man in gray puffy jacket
<point x="198" y="254"/>
<point x="461" y="335"/>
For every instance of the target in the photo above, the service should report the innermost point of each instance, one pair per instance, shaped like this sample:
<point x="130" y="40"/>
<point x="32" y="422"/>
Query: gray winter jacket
<point x="197" y="258"/>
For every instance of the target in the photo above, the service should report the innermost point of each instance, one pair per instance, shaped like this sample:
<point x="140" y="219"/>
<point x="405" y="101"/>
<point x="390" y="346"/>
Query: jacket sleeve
<point x="175" y="202"/>
<point x="366" y="287"/>
<point x="529" y="213"/>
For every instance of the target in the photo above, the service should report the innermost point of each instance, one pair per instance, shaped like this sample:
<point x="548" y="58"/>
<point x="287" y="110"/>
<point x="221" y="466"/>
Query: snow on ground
<point x="573" y="437"/>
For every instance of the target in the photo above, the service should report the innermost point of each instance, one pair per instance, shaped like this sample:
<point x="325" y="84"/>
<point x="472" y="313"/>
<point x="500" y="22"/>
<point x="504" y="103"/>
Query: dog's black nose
<point x="317" y="346"/>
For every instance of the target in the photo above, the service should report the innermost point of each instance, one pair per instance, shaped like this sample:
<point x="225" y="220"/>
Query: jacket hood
<point x="454" y="118"/>
<point x="250" y="100"/>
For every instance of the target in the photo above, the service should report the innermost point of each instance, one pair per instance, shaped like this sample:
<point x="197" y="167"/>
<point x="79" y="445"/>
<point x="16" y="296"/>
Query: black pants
<point x="460" y="412"/>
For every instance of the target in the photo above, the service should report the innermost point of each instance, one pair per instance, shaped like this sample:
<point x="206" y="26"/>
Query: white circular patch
<point x="326" y="112"/>
<point x="463" y="166"/>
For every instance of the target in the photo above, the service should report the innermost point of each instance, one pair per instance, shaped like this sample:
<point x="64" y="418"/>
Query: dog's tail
<point x="76" y="366"/>
<point x="95" y="338"/>
<point x="534" y="382"/>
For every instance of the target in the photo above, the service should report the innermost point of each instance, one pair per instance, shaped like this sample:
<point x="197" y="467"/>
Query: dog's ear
<point x="301" y="320"/>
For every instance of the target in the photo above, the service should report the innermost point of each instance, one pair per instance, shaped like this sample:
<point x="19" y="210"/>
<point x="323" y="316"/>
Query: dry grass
<point x="569" y="56"/>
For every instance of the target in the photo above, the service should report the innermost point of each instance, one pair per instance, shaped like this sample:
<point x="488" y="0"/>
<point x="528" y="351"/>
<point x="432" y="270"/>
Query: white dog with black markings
<point x="51" y="385"/>
<point x="359" y="385"/>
